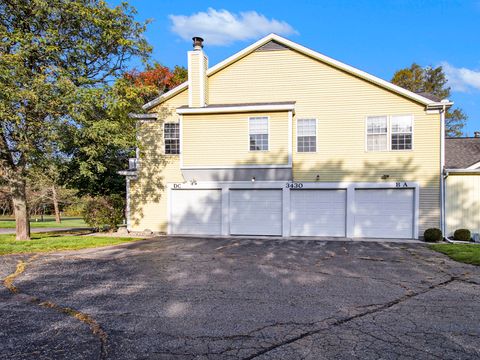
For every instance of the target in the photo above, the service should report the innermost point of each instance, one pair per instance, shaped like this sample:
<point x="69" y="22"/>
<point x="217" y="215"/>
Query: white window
<point x="171" y="136"/>
<point x="306" y="135"/>
<point x="377" y="137"/>
<point x="258" y="133"/>
<point x="401" y="132"/>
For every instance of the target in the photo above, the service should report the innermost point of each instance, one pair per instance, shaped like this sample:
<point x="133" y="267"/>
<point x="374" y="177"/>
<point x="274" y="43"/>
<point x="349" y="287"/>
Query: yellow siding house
<point x="281" y="140"/>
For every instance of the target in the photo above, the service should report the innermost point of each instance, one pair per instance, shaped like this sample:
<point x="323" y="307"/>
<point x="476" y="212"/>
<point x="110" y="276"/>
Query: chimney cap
<point x="197" y="42"/>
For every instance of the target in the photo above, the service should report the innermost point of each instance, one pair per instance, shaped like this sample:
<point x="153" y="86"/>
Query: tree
<point x="52" y="55"/>
<point x="432" y="80"/>
<point x="156" y="79"/>
<point x="94" y="165"/>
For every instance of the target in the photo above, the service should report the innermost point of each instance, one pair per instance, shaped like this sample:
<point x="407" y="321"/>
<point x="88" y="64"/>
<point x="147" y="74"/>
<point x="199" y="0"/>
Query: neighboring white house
<point x="462" y="184"/>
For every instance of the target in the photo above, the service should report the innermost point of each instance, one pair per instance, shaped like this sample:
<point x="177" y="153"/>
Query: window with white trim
<point x="306" y="135"/>
<point x="377" y="133"/>
<point x="171" y="137"/>
<point x="401" y="132"/>
<point x="258" y="133"/>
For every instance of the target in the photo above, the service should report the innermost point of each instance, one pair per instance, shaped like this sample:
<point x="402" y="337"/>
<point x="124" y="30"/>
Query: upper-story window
<point x="402" y="129"/>
<point x="258" y="133"/>
<point x="171" y="136"/>
<point x="377" y="138"/>
<point x="389" y="133"/>
<point x="306" y="135"/>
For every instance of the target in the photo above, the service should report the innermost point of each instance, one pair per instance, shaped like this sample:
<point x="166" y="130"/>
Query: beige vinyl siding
<point x="223" y="139"/>
<point x="462" y="202"/>
<point x="148" y="199"/>
<point x="340" y="102"/>
<point x="205" y="81"/>
<point x="194" y="77"/>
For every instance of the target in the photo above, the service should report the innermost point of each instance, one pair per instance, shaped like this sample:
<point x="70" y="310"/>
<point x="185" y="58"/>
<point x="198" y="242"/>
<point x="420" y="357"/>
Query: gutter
<point x="461" y="171"/>
<point x="442" y="166"/>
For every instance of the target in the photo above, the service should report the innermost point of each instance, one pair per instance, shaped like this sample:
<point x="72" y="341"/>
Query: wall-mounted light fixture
<point x="385" y="176"/>
<point x="317" y="177"/>
<point x="253" y="178"/>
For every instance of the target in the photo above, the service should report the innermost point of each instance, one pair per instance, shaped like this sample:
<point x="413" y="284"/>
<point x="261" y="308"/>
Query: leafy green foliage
<point x="104" y="211"/>
<point x="462" y="235"/>
<point x="432" y="235"/>
<point x="56" y="57"/>
<point x="432" y="80"/>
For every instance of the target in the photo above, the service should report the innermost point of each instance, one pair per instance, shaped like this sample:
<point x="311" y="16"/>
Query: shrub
<point x="104" y="211"/>
<point x="76" y="208"/>
<point x="462" y="235"/>
<point x="432" y="235"/>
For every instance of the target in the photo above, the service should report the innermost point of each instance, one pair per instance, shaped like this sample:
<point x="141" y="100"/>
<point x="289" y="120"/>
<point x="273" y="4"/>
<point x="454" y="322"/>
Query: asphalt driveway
<point x="189" y="298"/>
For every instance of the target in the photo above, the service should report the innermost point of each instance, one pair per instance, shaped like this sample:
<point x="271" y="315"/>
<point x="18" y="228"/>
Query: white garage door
<point x="256" y="212"/>
<point x="196" y="212"/>
<point x="317" y="212"/>
<point x="384" y="213"/>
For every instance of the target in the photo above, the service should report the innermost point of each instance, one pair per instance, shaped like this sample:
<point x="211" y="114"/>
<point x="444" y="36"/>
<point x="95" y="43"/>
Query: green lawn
<point x="469" y="254"/>
<point x="43" y="242"/>
<point x="8" y="223"/>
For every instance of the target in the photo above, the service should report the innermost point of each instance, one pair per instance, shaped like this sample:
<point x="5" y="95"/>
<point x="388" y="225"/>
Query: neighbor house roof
<point x="462" y="153"/>
<point x="313" y="54"/>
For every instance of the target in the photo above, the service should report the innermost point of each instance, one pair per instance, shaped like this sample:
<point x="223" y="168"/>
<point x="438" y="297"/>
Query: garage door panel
<point x="317" y="212"/>
<point x="196" y="212"/>
<point x="386" y="213"/>
<point x="255" y="212"/>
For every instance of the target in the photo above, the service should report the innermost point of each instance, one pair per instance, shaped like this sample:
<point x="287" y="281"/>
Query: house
<point x="462" y="184"/>
<point x="281" y="140"/>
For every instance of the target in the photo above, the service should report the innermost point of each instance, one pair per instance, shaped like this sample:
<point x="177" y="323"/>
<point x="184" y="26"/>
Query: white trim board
<point x="268" y="166"/>
<point x="236" y="109"/>
<point x="306" y="51"/>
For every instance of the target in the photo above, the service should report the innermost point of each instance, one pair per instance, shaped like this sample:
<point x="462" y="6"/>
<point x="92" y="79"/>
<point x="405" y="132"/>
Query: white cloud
<point x="461" y="79"/>
<point x="221" y="27"/>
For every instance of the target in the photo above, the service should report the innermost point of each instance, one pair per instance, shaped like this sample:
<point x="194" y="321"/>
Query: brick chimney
<point x="197" y="75"/>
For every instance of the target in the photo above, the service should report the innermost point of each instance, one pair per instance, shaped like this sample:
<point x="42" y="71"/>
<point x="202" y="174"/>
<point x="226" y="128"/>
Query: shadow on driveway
<point x="201" y="298"/>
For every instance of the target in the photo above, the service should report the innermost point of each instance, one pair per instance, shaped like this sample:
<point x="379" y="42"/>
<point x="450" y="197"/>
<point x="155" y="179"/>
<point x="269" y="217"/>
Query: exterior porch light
<point x="385" y="176"/>
<point x="253" y="178"/>
<point x="317" y="177"/>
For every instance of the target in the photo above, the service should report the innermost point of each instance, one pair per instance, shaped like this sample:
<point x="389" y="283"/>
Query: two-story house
<point x="281" y="140"/>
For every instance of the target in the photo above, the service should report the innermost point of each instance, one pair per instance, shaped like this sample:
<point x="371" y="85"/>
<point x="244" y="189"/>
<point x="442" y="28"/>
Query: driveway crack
<point x="344" y="320"/>
<point x="94" y="326"/>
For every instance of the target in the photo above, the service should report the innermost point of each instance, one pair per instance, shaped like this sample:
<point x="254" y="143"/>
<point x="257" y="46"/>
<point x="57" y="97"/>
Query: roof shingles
<point x="461" y="153"/>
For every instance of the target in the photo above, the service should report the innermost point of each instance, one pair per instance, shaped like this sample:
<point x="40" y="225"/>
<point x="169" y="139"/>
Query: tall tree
<point x="94" y="165"/>
<point x="51" y="53"/>
<point x="432" y="80"/>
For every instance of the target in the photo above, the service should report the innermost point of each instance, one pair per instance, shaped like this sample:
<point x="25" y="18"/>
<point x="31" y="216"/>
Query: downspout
<point x="442" y="169"/>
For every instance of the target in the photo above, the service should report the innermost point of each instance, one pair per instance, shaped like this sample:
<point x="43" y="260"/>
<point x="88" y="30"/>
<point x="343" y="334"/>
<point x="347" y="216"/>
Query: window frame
<point x="268" y="133"/>
<point x="389" y="133"/>
<point x="316" y="135"/>
<point x="164" y="138"/>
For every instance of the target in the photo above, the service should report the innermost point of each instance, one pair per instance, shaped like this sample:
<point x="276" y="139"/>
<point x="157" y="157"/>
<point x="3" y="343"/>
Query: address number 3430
<point x="294" y="185"/>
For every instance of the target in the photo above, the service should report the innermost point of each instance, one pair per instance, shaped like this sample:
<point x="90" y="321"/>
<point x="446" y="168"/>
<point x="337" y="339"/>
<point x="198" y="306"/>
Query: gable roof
<point x="462" y="153"/>
<point x="422" y="99"/>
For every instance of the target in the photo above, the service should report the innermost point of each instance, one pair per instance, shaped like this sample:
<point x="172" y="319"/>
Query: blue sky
<point x="375" y="36"/>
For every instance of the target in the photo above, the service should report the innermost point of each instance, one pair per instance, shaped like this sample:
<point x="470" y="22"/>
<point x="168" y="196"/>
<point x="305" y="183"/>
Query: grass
<point x="45" y="242"/>
<point x="465" y="253"/>
<point x="49" y="222"/>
